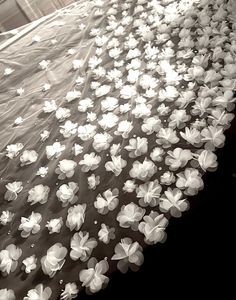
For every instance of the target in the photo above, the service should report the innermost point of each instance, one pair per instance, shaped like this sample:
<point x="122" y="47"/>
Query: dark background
<point x="196" y="261"/>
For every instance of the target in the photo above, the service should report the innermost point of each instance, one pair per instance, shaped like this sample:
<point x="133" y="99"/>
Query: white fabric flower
<point x="167" y="178"/>
<point x="72" y="95"/>
<point x="150" y="125"/>
<point x="115" y="149"/>
<point x="85" y="104"/>
<point x="195" y="72"/>
<point x="18" y="121"/>
<point x="220" y="117"/>
<point x="86" y="132"/>
<point x="191" y="135"/>
<point x="39" y="293"/>
<point x="82" y="246"/>
<point x="6" y="217"/>
<point x="71" y="51"/>
<point x="93" y="278"/>
<point x="66" y="193"/>
<point x="13" y="189"/>
<point x="130" y="215"/>
<point x="91" y="116"/>
<point x="99" y="72"/>
<point x="129" y="254"/>
<point x="223" y="100"/>
<point x="44" y="64"/>
<point x="108" y="201"/>
<point x="109" y="104"/>
<point x="212" y="76"/>
<point x="144" y="170"/>
<point x="29" y="263"/>
<point x="213" y="136"/>
<point x="134" y="64"/>
<point x="93" y="181"/>
<point x="49" y="106"/>
<point x="13" y="150"/>
<point x="178" y="118"/>
<point x="94" y="61"/>
<point x="90" y="162"/>
<point x="166" y="137"/>
<point x="149" y="193"/>
<point x="170" y="93"/>
<point x="163" y="110"/>
<point x="116" y="165"/>
<point x="77" y="63"/>
<point x="153" y="227"/>
<point x="38" y="194"/>
<point x="8" y="71"/>
<point x="62" y="114"/>
<point x="133" y="75"/>
<point x="54" y="225"/>
<point x="147" y="81"/>
<point x="129" y="186"/>
<point x="36" y="38"/>
<point x="9" y="259"/>
<point x="30" y="224"/>
<point x="106" y="233"/>
<point x="75" y="217"/>
<point x="156" y="154"/>
<point x="207" y="160"/>
<point x="28" y="157"/>
<point x="68" y="129"/>
<point x="190" y="181"/>
<point x="115" y="53"/>
<point x="94" y="85"/>
<point x="178" y="158"/>
<point x="54" y="150"/>
<point x="127" y="91"/>
<point x="201" y="105"/>
<point x="6" y="294"/>
<point x="137" y="147"/>
<point x="44" y="135"/>
<point x="102" y="90"/>
<point x="114" y="75"/>
<point x="77" y="149"/>
<point x="142" y="110"/>
<point x="46" y="87"/>
<point x="70" y="291"/>
<point x="125" y="108"/>
<point x="80" y="80"/>
<point x="42" y="171"/>
<point x="171" y="201"/>
<point x="101" y="141"/>
<point x="66" y="168"/>
<point x="131" y="43"/>
<point x="109" y="120"/>
<point x="54" y="260"/>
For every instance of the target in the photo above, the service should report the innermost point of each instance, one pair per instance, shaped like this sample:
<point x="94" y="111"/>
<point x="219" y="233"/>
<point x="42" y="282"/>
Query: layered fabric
<point x="110" y="114"/>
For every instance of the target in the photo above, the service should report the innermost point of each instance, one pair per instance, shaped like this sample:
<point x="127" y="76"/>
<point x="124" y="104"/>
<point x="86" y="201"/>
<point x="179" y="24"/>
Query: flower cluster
<point x="116" y="141"/>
